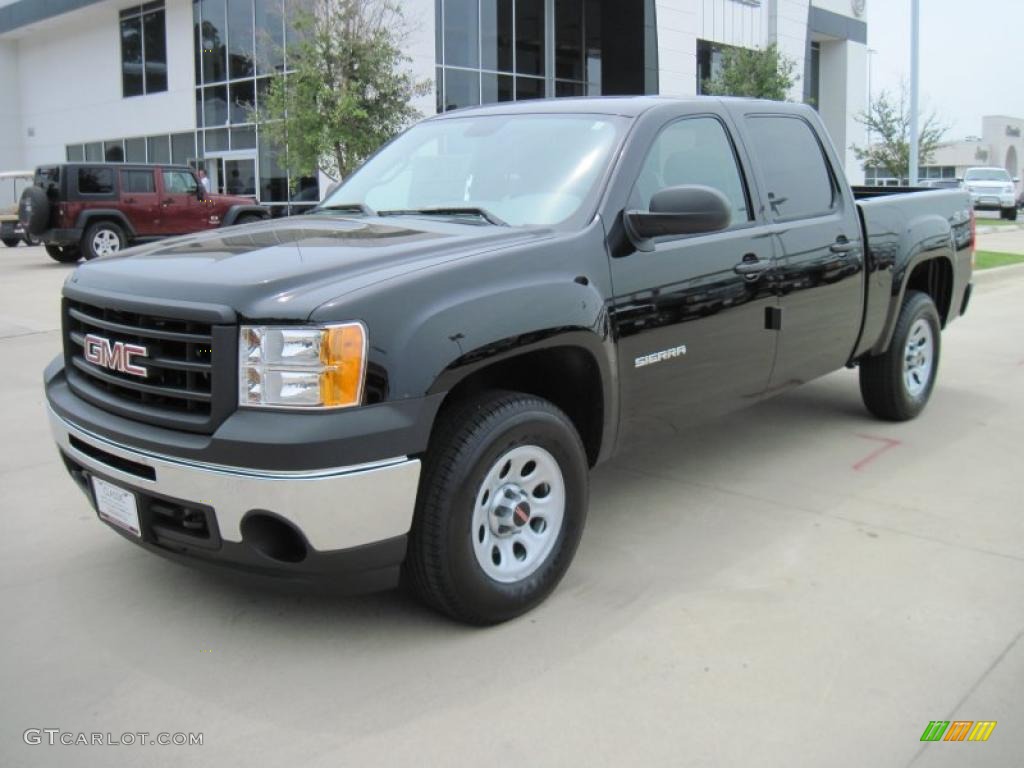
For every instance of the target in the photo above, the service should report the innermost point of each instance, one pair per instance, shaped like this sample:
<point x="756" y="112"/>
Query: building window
<point x="813" y="95"/>
<point x="710" y="58"/>
<point x="238" y="44"/>
<point x="143" y="49"/>
<point x="506" y="50"/>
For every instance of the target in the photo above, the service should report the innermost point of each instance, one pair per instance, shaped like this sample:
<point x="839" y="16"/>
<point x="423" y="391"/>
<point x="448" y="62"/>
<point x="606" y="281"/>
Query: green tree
<point x="888" y="124"/>
<point x="350" y="88"/>
<point x="765" y="73"/>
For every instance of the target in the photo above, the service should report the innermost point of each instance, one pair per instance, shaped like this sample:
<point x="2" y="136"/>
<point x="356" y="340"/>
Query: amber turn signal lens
<point x="343" y="355"/>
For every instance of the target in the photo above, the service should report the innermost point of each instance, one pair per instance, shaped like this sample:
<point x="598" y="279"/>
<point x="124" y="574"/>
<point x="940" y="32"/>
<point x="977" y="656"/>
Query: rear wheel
<point x="65" y="254"/>
<point x="11" y="242"/>
<point x="1010" y="214"/>
<point x="102" y="239"/>
<point x="501" y="507"/>
<point x="897" y="384"/>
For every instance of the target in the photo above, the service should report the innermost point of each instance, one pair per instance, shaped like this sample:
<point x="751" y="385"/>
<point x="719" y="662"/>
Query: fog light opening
<point x="273" y="537"/>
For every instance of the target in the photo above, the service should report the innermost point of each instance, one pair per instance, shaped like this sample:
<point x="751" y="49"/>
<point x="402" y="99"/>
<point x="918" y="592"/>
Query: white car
<point x="992" y="189"/>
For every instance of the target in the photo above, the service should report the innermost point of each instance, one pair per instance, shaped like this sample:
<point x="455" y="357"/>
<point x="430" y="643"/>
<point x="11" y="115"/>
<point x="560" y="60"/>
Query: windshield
<point x="987" y="174"/>
<point x="523" y="170"/>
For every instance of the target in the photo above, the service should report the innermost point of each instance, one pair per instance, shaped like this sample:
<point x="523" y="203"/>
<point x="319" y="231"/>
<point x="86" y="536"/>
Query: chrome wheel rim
<point x="918" y="358"/>
<point x="518" y="514"/>
<point x="105" y="242"/>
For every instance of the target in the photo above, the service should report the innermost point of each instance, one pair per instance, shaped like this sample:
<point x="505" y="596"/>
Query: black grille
<point x="182" y="364"/>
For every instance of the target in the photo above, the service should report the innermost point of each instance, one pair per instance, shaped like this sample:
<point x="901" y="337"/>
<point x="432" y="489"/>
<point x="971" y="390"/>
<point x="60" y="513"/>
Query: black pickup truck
<point x="415" y="380"/>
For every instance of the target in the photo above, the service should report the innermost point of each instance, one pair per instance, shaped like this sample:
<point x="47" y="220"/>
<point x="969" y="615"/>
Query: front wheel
<point x="501" y="508"/>
<point x="897" y="384"/>
<point x="1010" y="214"/>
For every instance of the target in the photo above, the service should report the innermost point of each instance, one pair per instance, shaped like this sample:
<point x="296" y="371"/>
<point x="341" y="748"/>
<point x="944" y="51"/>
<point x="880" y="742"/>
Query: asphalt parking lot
<point x="794" y="585"/>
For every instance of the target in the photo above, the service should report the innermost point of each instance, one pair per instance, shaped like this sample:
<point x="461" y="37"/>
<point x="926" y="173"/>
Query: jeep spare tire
<point x="34" y="211"/>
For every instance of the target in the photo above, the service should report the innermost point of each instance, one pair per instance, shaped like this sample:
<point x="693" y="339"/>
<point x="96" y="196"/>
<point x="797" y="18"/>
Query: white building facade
<point x="174" y="80"/>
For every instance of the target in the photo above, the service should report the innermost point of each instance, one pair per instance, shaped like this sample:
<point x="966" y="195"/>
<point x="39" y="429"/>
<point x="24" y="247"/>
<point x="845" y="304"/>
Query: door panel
<point x="181" y="209"/>
<point x="820" y="270"/>
<point x="140" y="201"/>
<point x="689" y="318"/>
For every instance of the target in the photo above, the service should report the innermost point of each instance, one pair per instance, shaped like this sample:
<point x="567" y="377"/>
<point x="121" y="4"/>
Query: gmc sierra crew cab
<point x="414" y="381"/>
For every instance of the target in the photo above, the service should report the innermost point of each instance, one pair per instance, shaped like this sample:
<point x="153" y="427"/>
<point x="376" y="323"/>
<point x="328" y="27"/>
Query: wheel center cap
<point x="510" y="512"/>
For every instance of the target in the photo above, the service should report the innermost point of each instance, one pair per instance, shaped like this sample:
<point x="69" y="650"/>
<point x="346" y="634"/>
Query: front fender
<point x="430" y="329"/>
<point x="232" y="214"/>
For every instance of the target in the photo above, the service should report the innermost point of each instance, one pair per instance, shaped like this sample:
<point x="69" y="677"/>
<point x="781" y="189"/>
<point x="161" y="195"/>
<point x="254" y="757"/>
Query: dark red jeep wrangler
<point x="92" y="209"/>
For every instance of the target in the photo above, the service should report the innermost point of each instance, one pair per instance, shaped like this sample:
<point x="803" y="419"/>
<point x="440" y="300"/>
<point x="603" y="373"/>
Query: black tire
<point x="11" y="242"/>
<point x="883" y="385"/>
<point x="442" y="566"/>
<point x="65" y="254"/>
<point x="103" y="230"/>
<point x="34" y="210"/>
<point x="1011" y="214"/>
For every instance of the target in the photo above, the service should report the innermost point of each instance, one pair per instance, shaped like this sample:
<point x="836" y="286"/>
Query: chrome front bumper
<point x="334" y="509"/>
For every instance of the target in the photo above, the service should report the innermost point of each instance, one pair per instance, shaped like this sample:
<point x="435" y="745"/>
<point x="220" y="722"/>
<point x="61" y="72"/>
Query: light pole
<point x="915" y="44"/>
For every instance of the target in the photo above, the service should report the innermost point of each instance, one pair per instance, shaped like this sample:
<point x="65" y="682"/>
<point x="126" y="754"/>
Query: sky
<point x="972" y="57"/>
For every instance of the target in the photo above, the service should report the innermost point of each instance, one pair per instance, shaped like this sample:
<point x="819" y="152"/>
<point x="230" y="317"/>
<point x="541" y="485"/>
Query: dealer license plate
<point x="116" y="505"/>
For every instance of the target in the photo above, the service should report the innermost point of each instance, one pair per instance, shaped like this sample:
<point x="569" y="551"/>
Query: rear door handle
<point x="842" y="245"/>
<point x="751" y="267"/>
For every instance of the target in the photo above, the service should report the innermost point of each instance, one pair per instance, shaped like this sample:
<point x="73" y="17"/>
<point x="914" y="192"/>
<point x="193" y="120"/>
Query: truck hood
<point x="283" y="269"/>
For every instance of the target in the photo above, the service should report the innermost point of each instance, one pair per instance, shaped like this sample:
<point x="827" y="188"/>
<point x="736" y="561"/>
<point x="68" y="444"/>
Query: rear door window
<point x="95" y="181"/>
<point x="793" y="167"/>
<point x="137" y="181"/>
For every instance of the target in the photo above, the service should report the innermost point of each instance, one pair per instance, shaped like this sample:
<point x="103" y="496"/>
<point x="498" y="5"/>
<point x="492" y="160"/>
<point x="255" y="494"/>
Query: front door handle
<point x="751" y="267"/>
<point x="842" y="245"/>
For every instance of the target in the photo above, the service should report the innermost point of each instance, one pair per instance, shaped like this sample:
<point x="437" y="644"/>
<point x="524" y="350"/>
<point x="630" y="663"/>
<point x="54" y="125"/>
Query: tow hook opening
<point x="273" y="537"/>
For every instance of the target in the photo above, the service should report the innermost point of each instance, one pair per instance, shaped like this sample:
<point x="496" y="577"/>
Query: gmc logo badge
<point x="116" y="356"/>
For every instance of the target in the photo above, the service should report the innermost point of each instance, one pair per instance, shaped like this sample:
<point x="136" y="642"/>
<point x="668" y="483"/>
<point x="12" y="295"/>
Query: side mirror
<point x="687" y="210"/>
<point x="1016" y="179"/>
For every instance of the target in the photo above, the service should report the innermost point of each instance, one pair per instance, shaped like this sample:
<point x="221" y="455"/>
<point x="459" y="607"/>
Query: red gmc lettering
<point x="117" y="355"/>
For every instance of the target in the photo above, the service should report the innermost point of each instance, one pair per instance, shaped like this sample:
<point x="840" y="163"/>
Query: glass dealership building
<point x="175" y="80"/>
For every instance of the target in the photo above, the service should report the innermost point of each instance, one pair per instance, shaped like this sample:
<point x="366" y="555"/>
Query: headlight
<point x="295" y="367"/>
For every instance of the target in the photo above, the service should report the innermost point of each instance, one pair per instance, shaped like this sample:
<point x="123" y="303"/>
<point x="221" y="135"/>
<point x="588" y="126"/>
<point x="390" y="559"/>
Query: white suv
<point x="992" y="189"/>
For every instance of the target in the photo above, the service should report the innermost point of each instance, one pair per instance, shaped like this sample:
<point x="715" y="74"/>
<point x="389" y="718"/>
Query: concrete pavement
<point x="794" y="585"/>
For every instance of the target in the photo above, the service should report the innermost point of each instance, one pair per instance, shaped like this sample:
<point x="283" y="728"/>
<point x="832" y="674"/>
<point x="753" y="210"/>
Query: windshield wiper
<point x="362" y="208"/>
<point x="447" y="210"/>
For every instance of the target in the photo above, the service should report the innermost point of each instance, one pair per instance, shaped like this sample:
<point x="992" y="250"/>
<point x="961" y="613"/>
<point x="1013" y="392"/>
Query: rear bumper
<point x="11" y="229"/>
<point x="343" y="526"/>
